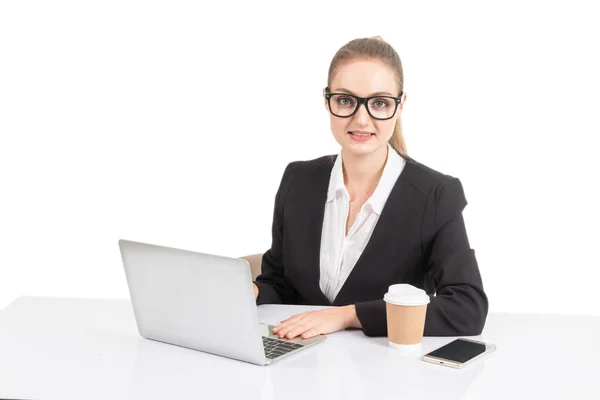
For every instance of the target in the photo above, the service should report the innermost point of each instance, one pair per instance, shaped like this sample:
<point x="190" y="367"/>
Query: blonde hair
<point x="378" y="49"/>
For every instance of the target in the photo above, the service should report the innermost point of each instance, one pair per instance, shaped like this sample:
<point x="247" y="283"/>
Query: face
<point x="364" y="78"/>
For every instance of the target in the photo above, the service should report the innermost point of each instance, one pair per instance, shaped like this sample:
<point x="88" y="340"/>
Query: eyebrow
<point x="374" y="94"/>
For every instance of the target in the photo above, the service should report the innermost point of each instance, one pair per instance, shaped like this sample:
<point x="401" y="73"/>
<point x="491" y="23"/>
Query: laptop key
<point x="277" y="347"/>
<point x="285" y="346"/>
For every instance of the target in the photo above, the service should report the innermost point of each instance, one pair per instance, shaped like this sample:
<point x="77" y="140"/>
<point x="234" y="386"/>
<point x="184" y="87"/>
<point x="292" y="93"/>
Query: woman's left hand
<point x="313" y="323"/>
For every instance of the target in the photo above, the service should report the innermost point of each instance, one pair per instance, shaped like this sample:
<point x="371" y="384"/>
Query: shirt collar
<point x="336" y="181"/>
<point x="391" y="171"/>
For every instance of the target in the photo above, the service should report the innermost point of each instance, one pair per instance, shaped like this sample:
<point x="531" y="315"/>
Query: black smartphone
<point x="459" y="353"/>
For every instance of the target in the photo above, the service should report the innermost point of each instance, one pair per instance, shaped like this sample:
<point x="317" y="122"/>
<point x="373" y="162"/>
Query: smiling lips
<point x="360" y="136"/>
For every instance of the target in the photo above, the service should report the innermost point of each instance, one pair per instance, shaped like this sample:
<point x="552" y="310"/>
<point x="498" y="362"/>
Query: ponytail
<point x="397" y="139"/>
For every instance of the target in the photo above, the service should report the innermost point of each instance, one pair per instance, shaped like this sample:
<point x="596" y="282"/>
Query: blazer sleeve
<point x="273" y="288"/>
<point x="459" y="305"/>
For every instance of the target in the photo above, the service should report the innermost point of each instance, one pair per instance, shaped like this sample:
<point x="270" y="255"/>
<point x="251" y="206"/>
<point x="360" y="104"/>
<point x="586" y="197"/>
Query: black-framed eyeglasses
<point x="345" y="105"/>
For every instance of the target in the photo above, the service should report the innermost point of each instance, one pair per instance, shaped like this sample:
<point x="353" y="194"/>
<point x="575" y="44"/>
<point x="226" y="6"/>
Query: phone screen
<point x="459" y="350"/>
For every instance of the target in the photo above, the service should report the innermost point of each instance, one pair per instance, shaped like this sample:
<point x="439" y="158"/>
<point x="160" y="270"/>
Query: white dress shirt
<point x="339" y="252"/>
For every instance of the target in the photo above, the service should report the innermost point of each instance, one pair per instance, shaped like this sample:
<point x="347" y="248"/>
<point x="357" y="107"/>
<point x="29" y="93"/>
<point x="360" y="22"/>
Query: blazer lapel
<point x="393" y="230"/>
<point x="315" y="199"/>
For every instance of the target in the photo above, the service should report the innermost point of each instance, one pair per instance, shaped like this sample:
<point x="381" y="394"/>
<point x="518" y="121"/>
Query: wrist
<point x="351" y="317"/>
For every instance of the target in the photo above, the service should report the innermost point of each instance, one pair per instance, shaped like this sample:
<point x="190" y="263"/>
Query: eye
<point x="380" y="103"/>
<point x="345" y="101"/>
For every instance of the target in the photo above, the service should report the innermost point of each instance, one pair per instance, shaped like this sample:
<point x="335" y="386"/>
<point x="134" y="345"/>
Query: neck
<point x="362" y="172"/>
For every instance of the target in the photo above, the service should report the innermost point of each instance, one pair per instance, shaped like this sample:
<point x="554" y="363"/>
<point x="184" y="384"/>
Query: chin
<point x="362" y="148"/>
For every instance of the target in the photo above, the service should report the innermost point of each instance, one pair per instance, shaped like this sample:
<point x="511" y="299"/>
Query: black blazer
<point x="420" y="238"/>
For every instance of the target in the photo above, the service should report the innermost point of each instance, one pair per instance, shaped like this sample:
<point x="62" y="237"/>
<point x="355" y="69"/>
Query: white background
<point x="171" y="122"/>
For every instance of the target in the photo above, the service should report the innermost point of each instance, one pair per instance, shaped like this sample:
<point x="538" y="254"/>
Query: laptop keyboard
<point x="277" y="347"/>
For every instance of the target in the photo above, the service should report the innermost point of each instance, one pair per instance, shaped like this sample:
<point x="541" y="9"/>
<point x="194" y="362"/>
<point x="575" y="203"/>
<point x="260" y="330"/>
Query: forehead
<point x="364" y="77"/>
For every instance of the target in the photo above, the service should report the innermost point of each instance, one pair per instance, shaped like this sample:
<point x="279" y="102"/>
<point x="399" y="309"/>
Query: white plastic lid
<point x="404" y="294"/>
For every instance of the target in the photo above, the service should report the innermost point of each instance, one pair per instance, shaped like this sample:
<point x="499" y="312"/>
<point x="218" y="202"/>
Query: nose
<point x="362" y="117"/>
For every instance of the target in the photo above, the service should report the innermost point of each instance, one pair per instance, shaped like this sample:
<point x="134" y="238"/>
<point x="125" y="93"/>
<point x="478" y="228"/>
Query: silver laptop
<point x="201" y="301"/>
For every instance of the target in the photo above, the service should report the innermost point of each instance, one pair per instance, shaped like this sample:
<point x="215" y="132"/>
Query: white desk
<point x="90" y="349"/>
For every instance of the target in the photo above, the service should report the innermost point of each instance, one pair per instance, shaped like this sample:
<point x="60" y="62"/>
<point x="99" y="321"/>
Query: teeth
<point x="360" y="134"/>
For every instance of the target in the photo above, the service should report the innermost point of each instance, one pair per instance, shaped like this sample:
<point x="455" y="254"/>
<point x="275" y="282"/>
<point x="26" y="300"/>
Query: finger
<point x="281" y="326"/>
<point x="283" y="330"/>
<point x="285" y="326"/>
<point x="286" y="329"/>
<point x="311" y="333"/>
<point x="292" y="320"/>
<point x="301" y="329"/>
<point x="293" y="329"/>
<point x="297" y="317"/>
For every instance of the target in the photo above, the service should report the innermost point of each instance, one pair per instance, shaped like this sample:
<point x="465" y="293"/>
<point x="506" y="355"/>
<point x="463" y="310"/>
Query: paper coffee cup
<point x="406" y="307"/>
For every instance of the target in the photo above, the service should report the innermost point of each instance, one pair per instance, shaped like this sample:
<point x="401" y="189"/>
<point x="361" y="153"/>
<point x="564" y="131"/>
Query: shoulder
<point x="310" y="168"/>
<point x="305" y="174"/>
<point x="442" y="193"/>
<point x="424" y="178"/>
<point x="316" y="164"/>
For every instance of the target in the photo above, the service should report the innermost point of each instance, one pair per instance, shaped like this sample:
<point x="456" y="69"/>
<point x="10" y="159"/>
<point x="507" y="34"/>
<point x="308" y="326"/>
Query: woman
<point x="345" y="228"/>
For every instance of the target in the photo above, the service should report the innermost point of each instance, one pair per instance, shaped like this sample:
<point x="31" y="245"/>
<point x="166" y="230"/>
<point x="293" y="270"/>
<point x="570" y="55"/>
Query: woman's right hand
<point x="255" y="291"/>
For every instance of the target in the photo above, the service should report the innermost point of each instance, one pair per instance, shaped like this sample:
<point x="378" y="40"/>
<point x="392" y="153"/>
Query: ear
<point x="401" y="106"/>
